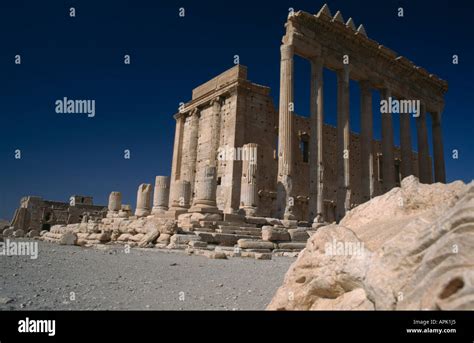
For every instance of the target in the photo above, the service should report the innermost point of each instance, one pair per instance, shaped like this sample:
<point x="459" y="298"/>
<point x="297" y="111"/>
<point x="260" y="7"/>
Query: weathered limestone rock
<point x="8" y="232"/>
<point x="254" y="244"/>
<point x="68" y="238"/>
<point x="143" y="200"/>
<point x="273" y="234"/>
<point x="197" y="244"/>
<point x="298" y="235"/>
<point x="409" y="249"/>
<point x="19" y="233"/>
<point x="216" y="255"/>
<point x="219" y="238"/>
<point x="263" y="256"/>
<point x="168" y="227"/>
<point x="164" y="238"/>
<point x="125" y="211"/>
<point x="289" y="224"/>
<point x="33" y="233"/>
<point x="161" y="195"/>
<point x="150" y="237"/>
<point x="183" y="239"/>
<point x="292" y="245"/>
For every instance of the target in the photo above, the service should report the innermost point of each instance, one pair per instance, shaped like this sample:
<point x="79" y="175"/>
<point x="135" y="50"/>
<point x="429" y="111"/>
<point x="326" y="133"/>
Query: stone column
<point x="143" y="200"/>
<point x="192" y="147"/>
<point x="387" y="144"/>
<point x="248" y="189"/>
<point x="177" y="152"/>
<point x="424" y="169"/>
<point x="216" y="104"/>
<point x="161" y="194"/>
<point x="405" y="145"/>
<point x="205" y="199"/>
<point x="115" y="201"/>
<point x="438" y="153"/>
<point x="285" y="133"/>
<point x="316" y="166"/>
<point x="181" y="195"/>
<point x="343" y="140"/>
<point x="366" y="142"/>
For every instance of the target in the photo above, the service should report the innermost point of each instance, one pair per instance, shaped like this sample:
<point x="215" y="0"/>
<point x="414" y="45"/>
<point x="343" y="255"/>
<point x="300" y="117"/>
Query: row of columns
<point x="190" y="145"/>
<point x="143" y="208"/>
<point x="343" y="199"/>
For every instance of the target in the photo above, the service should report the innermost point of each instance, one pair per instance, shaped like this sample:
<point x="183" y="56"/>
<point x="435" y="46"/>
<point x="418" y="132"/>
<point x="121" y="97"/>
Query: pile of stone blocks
<point x="214" y="235"/>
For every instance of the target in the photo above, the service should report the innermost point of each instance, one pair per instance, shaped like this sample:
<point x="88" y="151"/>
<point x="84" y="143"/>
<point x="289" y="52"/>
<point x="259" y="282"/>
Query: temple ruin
<point x="335" y="169"/>
<point x="250" y="180"/>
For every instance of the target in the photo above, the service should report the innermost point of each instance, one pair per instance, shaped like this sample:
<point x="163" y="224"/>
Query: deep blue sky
<point x="82" y="58"/>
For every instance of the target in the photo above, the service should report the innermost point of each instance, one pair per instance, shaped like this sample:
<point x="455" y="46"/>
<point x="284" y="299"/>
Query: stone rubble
<point x="211" y="234"/>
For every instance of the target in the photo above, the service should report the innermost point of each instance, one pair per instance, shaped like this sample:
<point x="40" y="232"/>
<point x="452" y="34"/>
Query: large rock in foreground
<point x="409" y="249"/>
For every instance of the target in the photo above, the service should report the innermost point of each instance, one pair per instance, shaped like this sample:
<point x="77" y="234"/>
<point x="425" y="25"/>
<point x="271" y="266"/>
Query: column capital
<point x="343" y="74"/>
<point x="287" y="51"/>
<point x="179" y="115"/>
<point x="216" y="100"/>
<point x="194" y="112"/>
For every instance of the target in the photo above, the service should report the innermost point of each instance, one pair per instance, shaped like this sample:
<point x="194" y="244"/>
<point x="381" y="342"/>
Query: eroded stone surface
<point x="390" y="254"/>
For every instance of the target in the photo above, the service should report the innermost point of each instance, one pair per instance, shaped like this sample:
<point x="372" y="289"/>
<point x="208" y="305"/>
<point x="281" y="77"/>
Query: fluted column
<point x="366" y="142"/>
<point x="205" y="198"/>
<point x="143" y="200"/>
<point x="316" y="165"/>
<point x="248" y="189"/>
<point x="181" y="195"/>
<point x="343" y="140"/>
<point x="405" y="145"/>
<point x="216" y="104"/>
<point x="285" y="133"/>
<point x="438" y="153"/>
<point x="192" y="147"/>
<point x="161" y="194"/>
<point x="177" y="152"/>
<point x="387" y="145"/>
<point x="424" y="169"/>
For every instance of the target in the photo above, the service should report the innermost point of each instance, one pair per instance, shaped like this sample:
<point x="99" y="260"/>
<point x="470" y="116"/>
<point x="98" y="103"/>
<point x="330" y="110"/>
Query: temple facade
<point x="235" y="153"/>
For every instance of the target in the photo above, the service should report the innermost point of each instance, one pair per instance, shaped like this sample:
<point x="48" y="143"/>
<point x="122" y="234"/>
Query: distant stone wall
<point x="35" y="213"/>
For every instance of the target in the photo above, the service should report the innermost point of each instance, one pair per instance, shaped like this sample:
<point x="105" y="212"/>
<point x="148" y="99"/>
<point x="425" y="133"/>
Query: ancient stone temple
<point x="307" y="170"/>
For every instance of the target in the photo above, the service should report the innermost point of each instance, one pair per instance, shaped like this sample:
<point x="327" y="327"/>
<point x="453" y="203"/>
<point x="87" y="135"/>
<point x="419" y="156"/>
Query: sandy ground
<point x="108" y="278"/>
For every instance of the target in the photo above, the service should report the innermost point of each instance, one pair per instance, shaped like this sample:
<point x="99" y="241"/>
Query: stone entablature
<point x="325" y="36"/>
